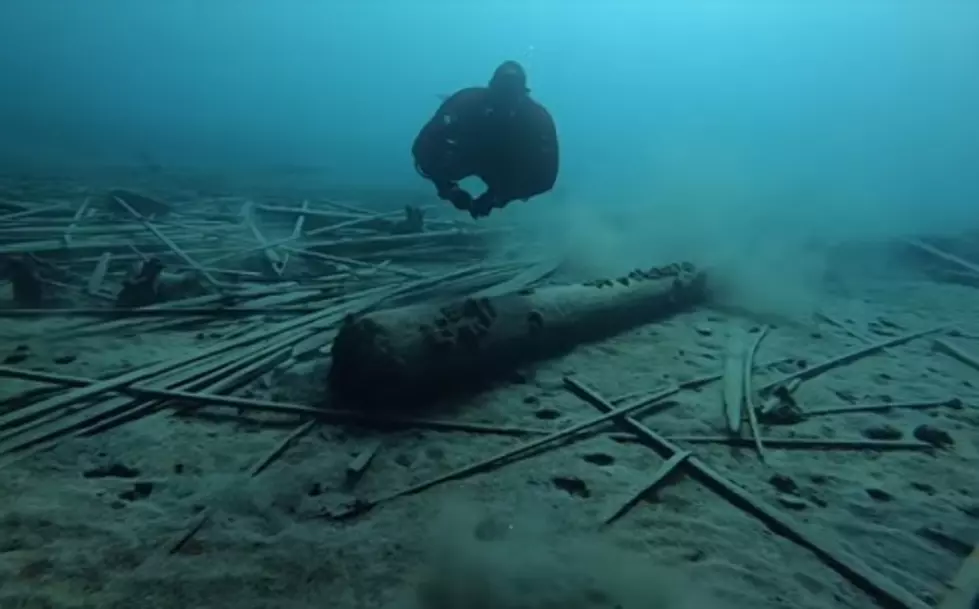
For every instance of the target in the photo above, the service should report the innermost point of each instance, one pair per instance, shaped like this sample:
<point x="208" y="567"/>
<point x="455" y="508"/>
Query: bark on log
<point x="406" y="358"/>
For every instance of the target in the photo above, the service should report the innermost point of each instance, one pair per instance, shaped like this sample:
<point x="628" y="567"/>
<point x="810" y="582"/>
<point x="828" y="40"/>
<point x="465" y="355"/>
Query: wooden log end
<point x="364" y="341"/>
<point x="400" y="362"/>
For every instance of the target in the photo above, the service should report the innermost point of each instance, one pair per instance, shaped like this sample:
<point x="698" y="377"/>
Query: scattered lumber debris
<point x="931" y="250"/>
<point x="413" y="223"/>
<point x="97" y="278"/>
<point x="357" y="467"/>
<point x="733" y="385"/>
<point x="180" y="540"/>
<point x="405" y="306"/>
<point x="83" y="253"/>
<point x="857" y="444"/>
<point x="957" y="353"/>
<point x="632" y="405"/>
<point x="841" y="560"/>
<point x="780" y="405"/>
<point x="403" y="358"/>
<point x="963" y="590"/>
<point x="813" y="371"/>
<point x="668" y="467"/>
<point x="143" y="287"/>
<point x="28" y="291"/>
<point x="120" y="201"/>
<point x="750" y="405"/>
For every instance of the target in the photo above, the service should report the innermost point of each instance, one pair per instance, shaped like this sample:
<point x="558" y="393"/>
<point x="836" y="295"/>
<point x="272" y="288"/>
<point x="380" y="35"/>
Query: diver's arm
<point x="430" y="146"/>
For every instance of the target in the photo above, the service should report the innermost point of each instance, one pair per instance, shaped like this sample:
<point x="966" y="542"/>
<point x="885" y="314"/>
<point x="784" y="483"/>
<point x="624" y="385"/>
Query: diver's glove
<point x="484" y="204"/>
<point x="454" y="194"/>
<point x="481" y="207"/>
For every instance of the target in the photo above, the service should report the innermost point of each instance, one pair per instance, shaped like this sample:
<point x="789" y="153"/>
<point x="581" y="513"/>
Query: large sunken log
<point x="406" y="358"/>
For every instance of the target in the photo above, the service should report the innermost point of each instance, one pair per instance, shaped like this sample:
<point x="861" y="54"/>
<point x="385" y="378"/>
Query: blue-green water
<point x="864" y="109"/>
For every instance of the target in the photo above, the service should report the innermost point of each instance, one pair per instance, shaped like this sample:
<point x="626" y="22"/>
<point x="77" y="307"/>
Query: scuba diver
<point x="496" y="133"/>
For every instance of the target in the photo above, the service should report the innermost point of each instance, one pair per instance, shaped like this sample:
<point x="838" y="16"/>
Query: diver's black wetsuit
<point x="496" y="133"/>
